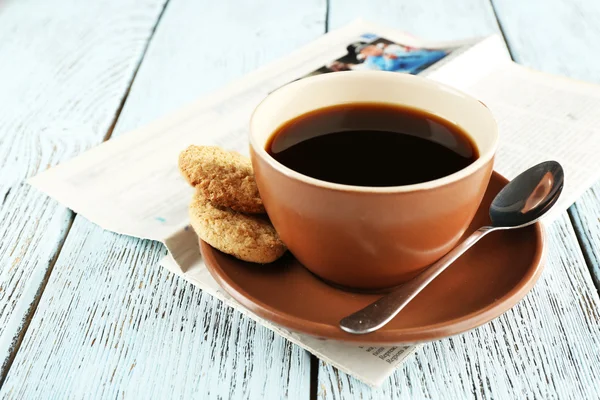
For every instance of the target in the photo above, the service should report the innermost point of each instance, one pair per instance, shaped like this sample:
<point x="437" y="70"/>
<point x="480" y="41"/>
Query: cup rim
<point x="481" y="161"/>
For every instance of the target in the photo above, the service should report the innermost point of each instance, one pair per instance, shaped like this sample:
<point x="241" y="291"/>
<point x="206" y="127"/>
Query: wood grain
<point x="65" y="69"/>
<point x="111" y="323"/>
<point x="546" y="347"/>
<point x="565" y="41"/>
<point x="585" y="215"/>
<point x="233" y="39"/>
<point x="563" y="38"/>
<point x="554" y="36"/>
<point x="430" y="19"/>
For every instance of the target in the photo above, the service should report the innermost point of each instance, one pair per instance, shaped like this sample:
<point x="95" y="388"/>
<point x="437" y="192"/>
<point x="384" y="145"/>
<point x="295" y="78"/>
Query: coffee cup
<point x="363" y="237"/>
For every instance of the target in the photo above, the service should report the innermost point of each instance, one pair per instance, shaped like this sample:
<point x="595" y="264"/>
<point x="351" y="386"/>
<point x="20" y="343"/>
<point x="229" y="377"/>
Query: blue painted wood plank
<point x="64" y="69"/>
<point x="545" y="347"/>
<point x="555" y="36"/>
<point x="585" y="215"/>
<point x="429" y="19"/>
<point x="111" y="323"/>
<point x="562" y="38"/>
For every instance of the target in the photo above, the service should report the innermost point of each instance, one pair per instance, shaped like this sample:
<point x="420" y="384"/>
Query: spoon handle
<point x="379" y="313"/>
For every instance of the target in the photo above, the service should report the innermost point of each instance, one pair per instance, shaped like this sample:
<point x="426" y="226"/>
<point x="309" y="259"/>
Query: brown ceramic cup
<point x="370" y="237"/>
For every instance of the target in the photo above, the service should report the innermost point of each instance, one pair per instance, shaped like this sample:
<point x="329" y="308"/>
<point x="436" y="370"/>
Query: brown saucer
<point x="484" y="283"/>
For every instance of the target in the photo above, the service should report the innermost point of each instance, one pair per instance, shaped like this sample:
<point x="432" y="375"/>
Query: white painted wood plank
<point x="65" y="68"/>
<point x="546" y="347"/>
<point x="112" y="323"/>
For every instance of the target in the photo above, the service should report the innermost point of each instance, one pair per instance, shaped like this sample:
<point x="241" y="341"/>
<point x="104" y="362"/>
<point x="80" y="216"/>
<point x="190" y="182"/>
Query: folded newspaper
<point x="131" y="184"/>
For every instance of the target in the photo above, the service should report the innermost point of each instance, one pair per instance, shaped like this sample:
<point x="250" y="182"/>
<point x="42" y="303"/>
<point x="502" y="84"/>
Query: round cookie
<point x="247" y="237"/>
<point x="224" y="177"/>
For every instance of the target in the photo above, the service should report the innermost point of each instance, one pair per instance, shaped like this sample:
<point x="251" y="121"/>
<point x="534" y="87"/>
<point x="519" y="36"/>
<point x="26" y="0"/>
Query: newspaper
<point x="131" y="184"/>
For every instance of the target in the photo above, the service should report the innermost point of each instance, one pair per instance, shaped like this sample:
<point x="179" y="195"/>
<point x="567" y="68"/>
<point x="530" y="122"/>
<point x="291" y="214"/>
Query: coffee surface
<point x="371" y="144"/>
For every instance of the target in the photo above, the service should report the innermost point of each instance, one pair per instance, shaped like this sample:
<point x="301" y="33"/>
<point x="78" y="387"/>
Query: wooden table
<point x="86" y="313"/>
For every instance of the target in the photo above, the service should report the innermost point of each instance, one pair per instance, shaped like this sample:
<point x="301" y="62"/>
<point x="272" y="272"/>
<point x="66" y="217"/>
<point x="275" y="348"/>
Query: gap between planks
<point x="585" y="247"/>
<point x="501" y="30"/>
<point x="5" y="368"/>
<point x="110" y="130"/>
<point x="574" y="218"/>
<point x="313" y="366"/>
<point x="314" y="361"/>
<point x="34" y="305"/>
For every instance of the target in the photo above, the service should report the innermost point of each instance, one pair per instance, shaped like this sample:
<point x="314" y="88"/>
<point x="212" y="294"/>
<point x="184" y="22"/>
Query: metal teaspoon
<point x="520" y="203"/>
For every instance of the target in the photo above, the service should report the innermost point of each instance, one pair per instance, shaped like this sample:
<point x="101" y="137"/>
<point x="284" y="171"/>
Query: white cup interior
<point x="336" y="88"/>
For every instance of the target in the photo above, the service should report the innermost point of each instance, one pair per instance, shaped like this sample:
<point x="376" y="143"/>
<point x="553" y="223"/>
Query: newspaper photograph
<point x="141" y="193"/>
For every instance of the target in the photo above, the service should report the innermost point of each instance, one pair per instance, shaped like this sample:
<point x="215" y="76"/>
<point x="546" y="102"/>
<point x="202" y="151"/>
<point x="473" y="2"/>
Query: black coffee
<point x="371" y="144"/>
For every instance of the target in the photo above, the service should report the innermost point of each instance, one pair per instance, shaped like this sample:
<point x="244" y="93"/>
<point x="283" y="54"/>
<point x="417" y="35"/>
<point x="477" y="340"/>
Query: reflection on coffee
<point x="372" y="144"/>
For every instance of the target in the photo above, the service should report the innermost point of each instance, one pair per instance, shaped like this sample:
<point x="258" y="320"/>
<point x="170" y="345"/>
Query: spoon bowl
<point x="529" y="196"/>
<point x="522" y="202"/>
